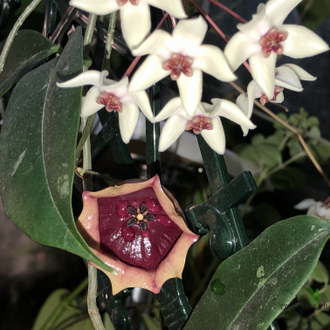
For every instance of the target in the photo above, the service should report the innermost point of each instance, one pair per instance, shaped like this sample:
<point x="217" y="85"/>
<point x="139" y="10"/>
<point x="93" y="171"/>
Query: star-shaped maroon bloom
<point x="138" y="229"/>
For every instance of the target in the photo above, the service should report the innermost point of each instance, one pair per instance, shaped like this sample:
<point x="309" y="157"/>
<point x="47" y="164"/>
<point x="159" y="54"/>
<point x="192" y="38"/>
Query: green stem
<point x="110" y="35"/>
<point x="288" y="162"/>
<point x="10" y="39"/>
<point x="93" y="311"/>
<point x="284" y="141"/>
<point x="85" y="135"/>
<point x="64" y="303"/>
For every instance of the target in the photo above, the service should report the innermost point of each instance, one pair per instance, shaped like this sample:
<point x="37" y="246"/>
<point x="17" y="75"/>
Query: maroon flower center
<point x="136" y="229"/>
<point x="264" y="98"/>
<point x="177" y="64"/>
<point x="198" y="123"/>
<point x="271" y="42"/>
<point x="110" y="101"/>
<point x="123" y="2"/>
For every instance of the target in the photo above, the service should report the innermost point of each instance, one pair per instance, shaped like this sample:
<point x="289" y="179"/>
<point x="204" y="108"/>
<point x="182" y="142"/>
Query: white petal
<point x="305" y="204"/>
<point x="149" y="72"/>
<point x="239" y="48"/>
<point x="211" y="60"/>
<point x="285" y="77"/>
<point x="231" y="111"/>
<point x="263" y="72"/>
<point x="135" y="23"/>
<point x="300" y="72"/>
<point x="91" y="77"/>
<point x="99" y="7"/>
<point x="190" y="32"/>
<point x="156" y="44"/>
<point x="89" y="105"/>
<point x="279" y="98"/>
<point x="172" y="129"/>
<point x="258" y="26"/>
<point x="215" y="137"/>
<point x="302" y="42"/>
<point x="128" y="119"/>
<point x="190" y="89"/>
<point x="278" y="10"/>
<point x="119" y="88"/>
<point x="173" y="7"/>
<point x="169" y="109"/>
<point x="143" y="102"/>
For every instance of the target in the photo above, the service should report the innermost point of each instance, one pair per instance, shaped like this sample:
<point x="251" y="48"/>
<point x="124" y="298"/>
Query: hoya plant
<point x="167" y="69"/>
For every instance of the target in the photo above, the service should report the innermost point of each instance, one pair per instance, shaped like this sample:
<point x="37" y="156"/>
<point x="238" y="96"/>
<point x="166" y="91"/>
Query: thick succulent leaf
<point x="250" y="288"/>
<point x="29" y="49"/>
<point x="37" y="147"/>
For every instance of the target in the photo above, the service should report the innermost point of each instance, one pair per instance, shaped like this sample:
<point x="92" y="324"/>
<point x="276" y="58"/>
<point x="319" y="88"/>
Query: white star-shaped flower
<point x="265" y="37"/>
<point x="286" y="76"/>
<point x="134" y="14"/>
<point x="315" y="208"/>
<point x="182" y="56"/>
<point x="112" y="95"/>
<point x="204" y="121"/>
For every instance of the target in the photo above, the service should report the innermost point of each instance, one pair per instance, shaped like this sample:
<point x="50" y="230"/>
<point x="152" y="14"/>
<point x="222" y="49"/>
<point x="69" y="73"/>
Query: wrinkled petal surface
<point x="148" y="74"/>
<point x="191" y="90"/>
<point x="302" y="42"/>
<point x="172" y="130"/>
<point x="211" y="60"/>
<point x="263" y="72"/>
<point x="215" y="137"/>
<point x="135" y="23"/>
<point x="99" y="7"/>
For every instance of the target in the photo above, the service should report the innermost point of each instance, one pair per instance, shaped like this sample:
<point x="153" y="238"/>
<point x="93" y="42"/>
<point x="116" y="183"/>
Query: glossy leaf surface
<point x="37" y="147"/>
<point x="29" y="49"/>
<point x="263" y="277"/>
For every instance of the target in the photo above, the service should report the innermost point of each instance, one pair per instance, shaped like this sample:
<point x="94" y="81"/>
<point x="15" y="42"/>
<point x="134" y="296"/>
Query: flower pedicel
<point x="137" y="229"/>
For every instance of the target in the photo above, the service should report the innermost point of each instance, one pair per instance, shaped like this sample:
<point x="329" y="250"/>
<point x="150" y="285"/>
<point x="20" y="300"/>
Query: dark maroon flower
<point x="137" y="229"/>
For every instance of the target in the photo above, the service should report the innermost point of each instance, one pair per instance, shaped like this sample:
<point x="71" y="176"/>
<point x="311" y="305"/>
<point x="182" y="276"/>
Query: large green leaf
<point x="29" y="49"/>
<point x="37" y="147"/>
<point x="255" y="283"/>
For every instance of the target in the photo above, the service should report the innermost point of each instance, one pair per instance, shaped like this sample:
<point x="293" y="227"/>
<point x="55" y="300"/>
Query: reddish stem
<point x="210" y="20"/>
<point x="216" y="28"/>
<point x="137" y="59"/>
<point x="229" y="11"/>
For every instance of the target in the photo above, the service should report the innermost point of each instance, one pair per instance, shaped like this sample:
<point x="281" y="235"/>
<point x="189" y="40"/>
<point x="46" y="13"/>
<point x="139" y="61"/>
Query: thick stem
<point x="14" y="31"/>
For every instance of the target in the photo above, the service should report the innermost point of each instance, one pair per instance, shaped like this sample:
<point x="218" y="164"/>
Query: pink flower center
<point x="271" y="42"/>
<point x="110" y="101"/>
<point x="136" y="229"/>
<point x="264" y="98"/>
<point x="198" y="123"/>
<point x="177" y="64"/>
<point x="123" y="2"/>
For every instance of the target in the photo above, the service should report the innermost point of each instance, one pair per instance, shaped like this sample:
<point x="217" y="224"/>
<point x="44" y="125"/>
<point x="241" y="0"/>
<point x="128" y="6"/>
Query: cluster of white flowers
<point x="183" y="57"/>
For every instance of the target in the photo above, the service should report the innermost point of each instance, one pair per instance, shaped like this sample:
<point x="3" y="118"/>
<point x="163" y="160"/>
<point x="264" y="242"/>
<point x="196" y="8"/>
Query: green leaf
<point x="278" y="125"/>
<point x="315" y="131"/>
<point x="320" y="273"/>
<point x="310" y="290"/>
<point x="269" y="155"/>
<point x="276" y="138"/>
<point x="248" y="152"/>
<point x="71" y="314"/>
<point x="312" y="121"/>
<point x="37" y="147"/>
<point x="257" y="139"/>
<point x="288" y="177"/>
<point x="320" y="322"/>
<point x="29" y="49"/>
<point x="320" y="151"/>
<point x="263" y="277"/>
